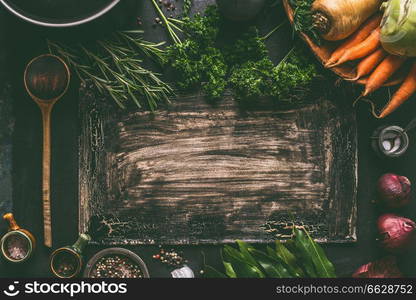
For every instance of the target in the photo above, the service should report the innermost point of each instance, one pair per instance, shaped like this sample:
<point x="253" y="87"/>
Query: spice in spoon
<point x="16" y="247"/>
<point x="65" y="264"/>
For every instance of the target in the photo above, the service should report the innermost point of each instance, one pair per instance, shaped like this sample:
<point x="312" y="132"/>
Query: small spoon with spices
<point x="17" y="244"/>
<point x="46" y="80"/>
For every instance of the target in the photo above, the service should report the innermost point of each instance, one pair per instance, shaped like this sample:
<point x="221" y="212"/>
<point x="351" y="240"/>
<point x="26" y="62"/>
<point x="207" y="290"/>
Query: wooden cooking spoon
<point x="46" y="80"/>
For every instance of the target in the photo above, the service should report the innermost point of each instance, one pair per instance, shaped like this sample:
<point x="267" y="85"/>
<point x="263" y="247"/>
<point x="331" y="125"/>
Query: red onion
<point x="383" y="268"/>
<point x="396" y="233"/>
<point x="394" y="190"/>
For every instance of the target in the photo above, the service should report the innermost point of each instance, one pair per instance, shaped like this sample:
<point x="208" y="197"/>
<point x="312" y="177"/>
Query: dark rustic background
<point x="21" y="42"/>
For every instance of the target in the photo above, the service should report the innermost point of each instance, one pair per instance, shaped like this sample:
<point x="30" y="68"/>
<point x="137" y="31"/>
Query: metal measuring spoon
<point x="46" y="80"/>
<point x="410" y="126"/>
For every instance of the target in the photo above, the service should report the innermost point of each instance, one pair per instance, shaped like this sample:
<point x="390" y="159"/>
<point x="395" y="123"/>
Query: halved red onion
<point x="396" y="233"/>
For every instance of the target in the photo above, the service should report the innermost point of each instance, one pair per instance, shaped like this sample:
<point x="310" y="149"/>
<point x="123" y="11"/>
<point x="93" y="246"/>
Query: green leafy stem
<point x="300" y="257"/>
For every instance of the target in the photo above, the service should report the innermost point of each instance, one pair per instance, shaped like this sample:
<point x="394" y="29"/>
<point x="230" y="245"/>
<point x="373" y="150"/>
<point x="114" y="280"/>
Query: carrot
<point x="383" y="72"/>
<point x="407" y="89"/>
<point x="369" y="45"/>
<point x="369" y="63"/>
<point x="360" y="35"/>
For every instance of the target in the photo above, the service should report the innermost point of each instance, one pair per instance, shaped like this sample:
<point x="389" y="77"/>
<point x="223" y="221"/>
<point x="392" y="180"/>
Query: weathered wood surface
<point x="201" y="173"/>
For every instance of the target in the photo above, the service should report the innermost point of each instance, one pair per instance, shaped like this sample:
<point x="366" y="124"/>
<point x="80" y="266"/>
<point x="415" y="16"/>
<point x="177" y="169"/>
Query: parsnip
<point x="337" y="19"/>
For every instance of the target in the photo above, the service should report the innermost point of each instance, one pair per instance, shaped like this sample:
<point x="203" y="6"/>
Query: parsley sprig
<point x="242" y="64"/>
<point x="187" y="5"/>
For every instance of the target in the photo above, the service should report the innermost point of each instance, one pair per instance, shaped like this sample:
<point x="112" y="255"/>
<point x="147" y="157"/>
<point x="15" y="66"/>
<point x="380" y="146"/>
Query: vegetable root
<point x="383" y="72"/>
<point x="338" y="19"/>
<point x="406" y="90"/>
<point x="369" y="63"/>
<point x="369" y="45"/>
<point x="360" y="35"/>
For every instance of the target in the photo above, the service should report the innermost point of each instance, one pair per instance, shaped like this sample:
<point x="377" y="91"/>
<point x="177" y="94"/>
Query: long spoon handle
<point x="410" y="126"/>
<point x="46" y="174"/>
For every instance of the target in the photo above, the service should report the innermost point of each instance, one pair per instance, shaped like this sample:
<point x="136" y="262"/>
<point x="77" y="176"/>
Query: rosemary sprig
<point x="115" y="67"/>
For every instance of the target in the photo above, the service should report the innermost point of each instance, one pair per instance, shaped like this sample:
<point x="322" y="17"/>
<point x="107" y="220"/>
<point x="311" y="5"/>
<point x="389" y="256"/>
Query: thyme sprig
<point x="115" y="67"/>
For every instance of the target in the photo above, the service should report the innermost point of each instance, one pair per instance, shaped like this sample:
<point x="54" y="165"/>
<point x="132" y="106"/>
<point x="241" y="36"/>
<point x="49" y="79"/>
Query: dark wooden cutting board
<point x="196" y="172"/>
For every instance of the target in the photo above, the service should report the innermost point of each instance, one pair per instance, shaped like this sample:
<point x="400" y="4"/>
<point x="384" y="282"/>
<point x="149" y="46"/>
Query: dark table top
<point x="22" y="41"/>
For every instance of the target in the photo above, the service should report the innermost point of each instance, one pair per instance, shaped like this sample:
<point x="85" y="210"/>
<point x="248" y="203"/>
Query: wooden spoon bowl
<point x="324" y="52"/>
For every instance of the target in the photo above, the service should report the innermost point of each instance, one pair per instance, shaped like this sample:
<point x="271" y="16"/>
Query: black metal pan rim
<point x="63" y="24"/>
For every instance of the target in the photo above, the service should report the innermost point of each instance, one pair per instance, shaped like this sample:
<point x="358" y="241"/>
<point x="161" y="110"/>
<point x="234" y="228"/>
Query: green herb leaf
<point x="272" y="267"/>
<point x="187" y="4"/>
<point x="210" y="272"/>
<point x="253" y="79"/>
<point x="244" y="250"/>
<point x="234" y="252"/>
<point x="303" y="259"/>
<point x="288" y="81"/>
<point x="229" y="270"/>
<point x="313" y="254"/>
<point x="284" y="254"/>
<point x="272" y="253"/>
<point x="292" y="269"/>
<point x="249" y="47"/>
<point x="241" y="268"/>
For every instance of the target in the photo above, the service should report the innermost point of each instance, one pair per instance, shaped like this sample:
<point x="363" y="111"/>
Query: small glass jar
<point x="390" y="141"/>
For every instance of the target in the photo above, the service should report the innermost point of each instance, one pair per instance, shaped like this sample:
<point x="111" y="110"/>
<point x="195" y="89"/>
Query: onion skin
<point x="382" y="268"/>
<point x="394" y="190"/>
<point x="338" y="19"/>
<point x="397" y="234"/>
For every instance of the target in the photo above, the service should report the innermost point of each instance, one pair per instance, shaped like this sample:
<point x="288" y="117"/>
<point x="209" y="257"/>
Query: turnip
<point x="337" y="19"/>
